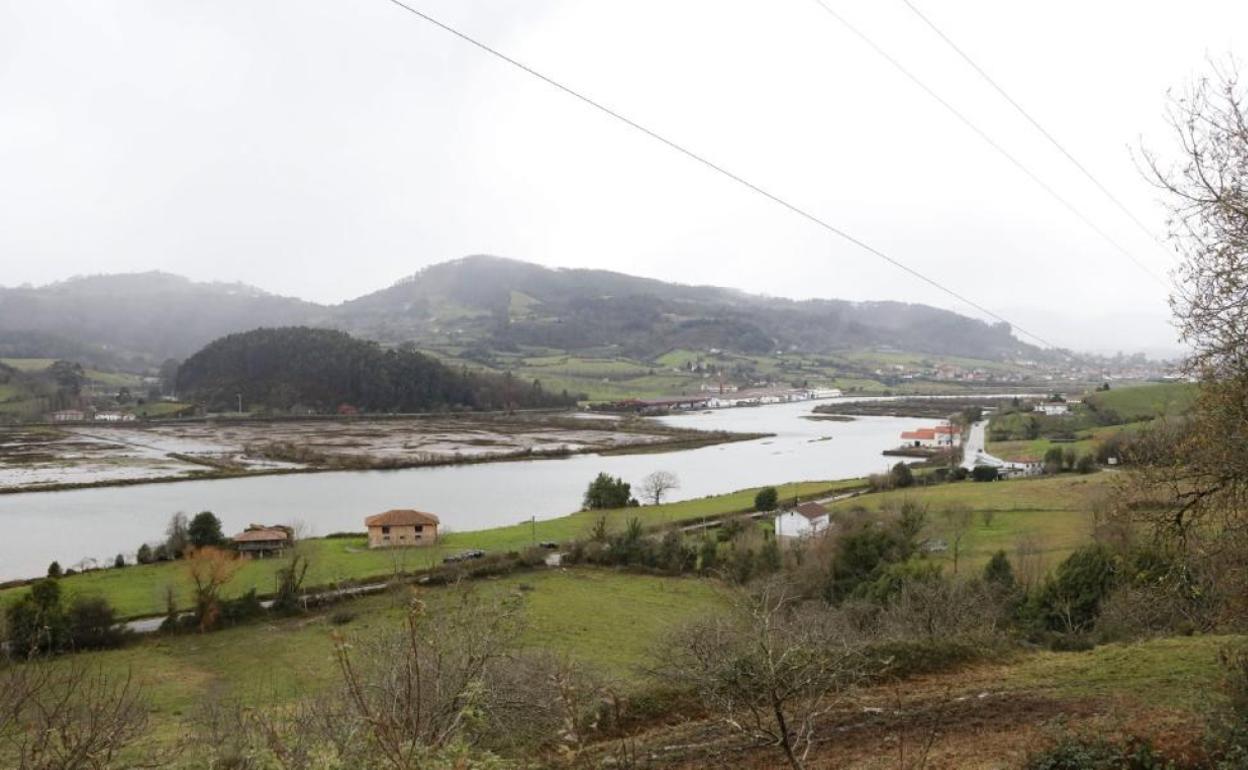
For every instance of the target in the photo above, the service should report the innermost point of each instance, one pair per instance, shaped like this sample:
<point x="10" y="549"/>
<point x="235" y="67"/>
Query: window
<point x="385" y="530"/>
<point x="419" y="528"/>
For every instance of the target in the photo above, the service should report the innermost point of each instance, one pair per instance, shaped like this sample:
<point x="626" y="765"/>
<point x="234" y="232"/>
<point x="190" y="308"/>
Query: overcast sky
<point x="326" y="148"/>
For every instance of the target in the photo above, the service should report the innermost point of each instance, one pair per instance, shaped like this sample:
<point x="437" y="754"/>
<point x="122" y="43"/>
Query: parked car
<point x="474" y="553"/>
<point x="549" y="545"/>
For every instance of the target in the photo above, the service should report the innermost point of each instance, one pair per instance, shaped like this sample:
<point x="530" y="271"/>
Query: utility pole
<point x="533" y="524"/>
<point x="240" y="403"/>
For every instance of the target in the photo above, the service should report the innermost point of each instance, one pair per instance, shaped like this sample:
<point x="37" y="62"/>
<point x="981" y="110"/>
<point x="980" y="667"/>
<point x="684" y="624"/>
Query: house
<point x="68" y="415"/>
<point x="1054" y="408"/>
<point x="923" y="437"/>
<point x="261" y="540"/>
<point x="114" y="417"/>
<point x="948" y="435"/>
<point x="401" y="528"/>
<point x="804" y="520"/>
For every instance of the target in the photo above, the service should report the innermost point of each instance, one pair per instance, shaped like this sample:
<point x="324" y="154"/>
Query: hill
<point x="502" y="304"/>
<point x="321" y="369"/>
<point x="139" y="317"/>
<point x="480" y="302"/>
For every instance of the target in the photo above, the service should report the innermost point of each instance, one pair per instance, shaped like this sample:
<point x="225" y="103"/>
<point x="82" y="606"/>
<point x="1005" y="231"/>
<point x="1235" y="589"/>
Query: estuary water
<point x="72" y="525"/>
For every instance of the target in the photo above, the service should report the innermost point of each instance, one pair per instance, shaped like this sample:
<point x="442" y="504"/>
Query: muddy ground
<point x="53" y="457"/>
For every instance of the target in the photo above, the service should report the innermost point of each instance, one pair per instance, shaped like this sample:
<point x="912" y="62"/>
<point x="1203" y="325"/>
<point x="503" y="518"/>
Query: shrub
<point x="119" y="562"/>
<point x="1083" y="753"/>
<point x="341" y="617"/>
<point x="92" y="624"/>
<point x="901" y="476"/>
<point x="54" y="569"/>
<point x="1085" y="464"/>
<point x="984" y="473"/>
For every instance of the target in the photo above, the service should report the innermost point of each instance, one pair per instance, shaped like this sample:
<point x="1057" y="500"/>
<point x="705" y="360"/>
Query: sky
<point x="326" y="148"/>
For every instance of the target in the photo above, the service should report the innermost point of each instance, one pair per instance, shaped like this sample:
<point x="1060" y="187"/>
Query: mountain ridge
<point x="497" y="303"/>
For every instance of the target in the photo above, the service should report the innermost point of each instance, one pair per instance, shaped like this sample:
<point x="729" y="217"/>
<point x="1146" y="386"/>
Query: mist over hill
<point x="485" y="302"/>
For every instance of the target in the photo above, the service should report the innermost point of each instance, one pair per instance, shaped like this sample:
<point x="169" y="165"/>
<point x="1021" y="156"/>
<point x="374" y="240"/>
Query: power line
<point x="715" y="167"/>
<point x="1035" y="123"/>
<point x="989" y="140"/>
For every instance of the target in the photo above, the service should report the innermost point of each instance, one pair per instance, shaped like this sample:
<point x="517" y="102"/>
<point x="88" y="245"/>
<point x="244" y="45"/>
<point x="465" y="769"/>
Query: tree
<point x="209" y="570"/>
<point x="1202" y="470"/>
<point x="901" y="475"/>
<point x="958" y="519"/>
<point x="119" y="562"/>
<point x="987" y="516"/>
<point x="769" y="669"/>
<point x="177" y="539"/>
<point x="36" y="622"/>
<point x="767" y="499"/>
<point x="290" y="583"/>
<point x="1085" y="464"/>
<point x="658" y="484"/>
<point x="54" y="569"/>
<point x="998" y="572"/>
<point x="1053" y="460"/>
<point x="424" y="688"/>
<point x="144" y="554"/>
<point x="204" y="530"/>
<point x="607" y="492"/>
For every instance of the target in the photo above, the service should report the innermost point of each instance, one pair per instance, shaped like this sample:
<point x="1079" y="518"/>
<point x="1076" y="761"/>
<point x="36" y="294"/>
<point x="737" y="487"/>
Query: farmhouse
<point x="401" y="528"/>
<point x="803" y="521"/>
<point x="260" y="540"/>
<point x="68" y="415"/>
<point x="943" y="435"/>
<point x="923" y="437"/>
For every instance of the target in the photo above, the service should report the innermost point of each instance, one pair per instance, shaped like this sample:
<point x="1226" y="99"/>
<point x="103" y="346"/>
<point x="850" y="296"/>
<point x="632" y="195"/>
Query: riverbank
<point x="335" y="562"/>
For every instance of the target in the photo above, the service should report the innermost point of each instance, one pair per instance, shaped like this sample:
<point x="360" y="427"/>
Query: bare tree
<point x="958" y="520"/>
<point x="770" y="669"/>
<point x="70" y="717"/>
<point x="655" y="486"/>
<point x="420" y="691"/>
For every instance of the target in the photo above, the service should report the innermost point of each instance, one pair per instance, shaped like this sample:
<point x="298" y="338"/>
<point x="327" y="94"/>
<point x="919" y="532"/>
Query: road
<point x="974" y="452"/>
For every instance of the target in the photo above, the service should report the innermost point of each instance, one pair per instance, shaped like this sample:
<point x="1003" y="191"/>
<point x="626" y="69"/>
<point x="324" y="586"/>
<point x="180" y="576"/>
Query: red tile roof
<point x="921" y="433"/>
<point x="401" y="518"/>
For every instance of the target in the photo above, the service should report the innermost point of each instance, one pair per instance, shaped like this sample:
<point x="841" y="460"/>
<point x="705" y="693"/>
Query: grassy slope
<point x="1053" y="512"/>
<point x="609" y="620"/>
<point x="1145" y="401"/>
<point x="140" y="590"/>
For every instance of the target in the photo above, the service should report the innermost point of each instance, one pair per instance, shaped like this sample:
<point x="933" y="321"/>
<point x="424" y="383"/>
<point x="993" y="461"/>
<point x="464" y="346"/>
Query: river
<point x="69" y="525"/>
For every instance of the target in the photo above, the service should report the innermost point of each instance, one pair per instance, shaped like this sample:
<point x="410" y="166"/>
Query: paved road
<point x="973" y="449"/>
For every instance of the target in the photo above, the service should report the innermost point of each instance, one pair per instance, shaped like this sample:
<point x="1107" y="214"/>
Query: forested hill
<point x="480" y="302"/>
<point x="322" y="370"/>
<point x="502" y="303"/>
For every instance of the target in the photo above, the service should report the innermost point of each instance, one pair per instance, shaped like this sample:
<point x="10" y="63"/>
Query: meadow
<point x="610" y="621"/>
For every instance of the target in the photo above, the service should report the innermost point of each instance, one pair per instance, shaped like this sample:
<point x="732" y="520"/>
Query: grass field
<point x="1145" y="401"/>
<point x="1052" y="513"/>
<point x="609" y="620"/>
<point x="140" y="590"/>
<point x="1175" y="672"/>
